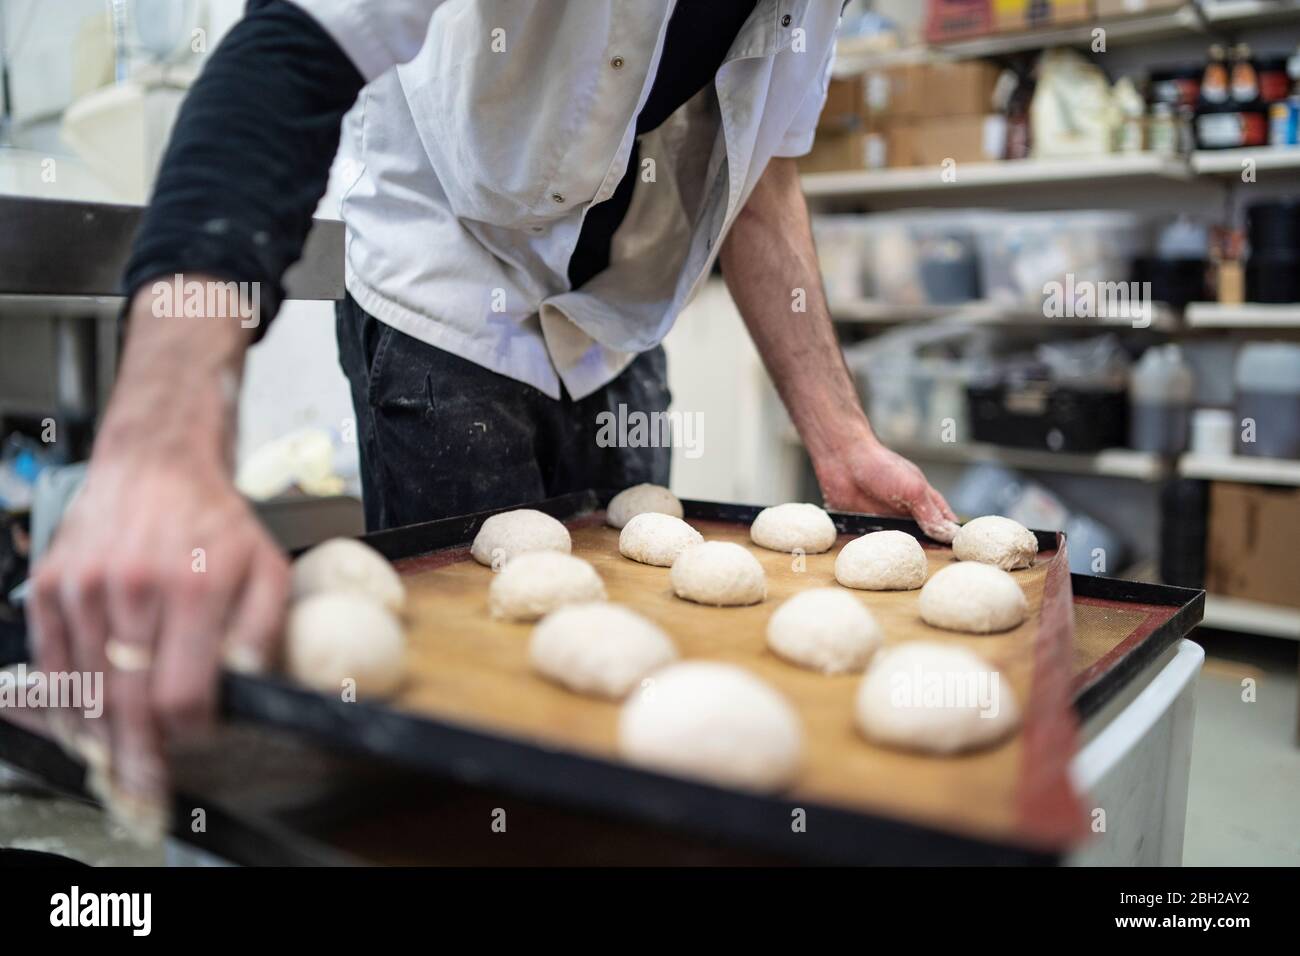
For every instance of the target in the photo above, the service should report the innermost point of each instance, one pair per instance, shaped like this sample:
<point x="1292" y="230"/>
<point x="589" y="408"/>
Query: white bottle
<point x="1161" y="389"/>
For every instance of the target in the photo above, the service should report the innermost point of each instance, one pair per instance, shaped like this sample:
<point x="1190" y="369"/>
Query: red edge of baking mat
<point x="1050" y="812"/>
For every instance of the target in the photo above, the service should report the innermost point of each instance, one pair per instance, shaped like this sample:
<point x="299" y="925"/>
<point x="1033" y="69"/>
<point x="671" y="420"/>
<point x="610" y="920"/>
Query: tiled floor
<point x="1243" y="805"/>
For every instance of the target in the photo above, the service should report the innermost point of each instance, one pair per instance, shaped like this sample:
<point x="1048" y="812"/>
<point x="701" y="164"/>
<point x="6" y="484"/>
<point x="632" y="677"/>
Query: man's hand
<point x="771" y="268"/>
<point x="873" y="479"/>
<point x="159" y="568"/>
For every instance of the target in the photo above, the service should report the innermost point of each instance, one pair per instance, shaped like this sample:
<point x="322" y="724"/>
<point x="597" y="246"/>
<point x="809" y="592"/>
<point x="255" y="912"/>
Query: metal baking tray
<point x="476" y="756"/>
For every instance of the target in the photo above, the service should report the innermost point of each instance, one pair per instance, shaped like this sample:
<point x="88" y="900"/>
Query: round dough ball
<point x="515" y="532"/>
<point x="794" y="527"/>
<point x="657" y="539"/>
<point x="640" y="499"/>
<point x="935" y="698"/>
<point x="995" y="540"/>
<point x="974" y="598"/>
<point x="333" y="637"/>
<point x="882" y="561"/>
<point x="719" y="573"/>
<point x="824" y="629"/>
<point x="714" y="722"/>
<point x="599" y="649"/>
<point x="345" y="564"/>
<point x="537" y="582"/>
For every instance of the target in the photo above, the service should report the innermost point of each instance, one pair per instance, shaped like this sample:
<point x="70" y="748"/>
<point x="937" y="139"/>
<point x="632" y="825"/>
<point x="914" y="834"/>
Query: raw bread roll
<point x="882" y="561"/>
<point x="793" y="527"/>
<point x="715" y="722"/>
<point x="995" y="540"/>
<point x="515" y="532"/>
<point x="719" y="573"/>
<point x="824" y="629"/>
<point x="974" y="598"/>
<point x="535" y="583"/>
<point x="345" y="564"/>
<point x="657" y="539"/>
<point x="599" y="649"/>
<point x="640" y="499"/>
<point x="935" y="698"/>
<point x="333" y="637"/>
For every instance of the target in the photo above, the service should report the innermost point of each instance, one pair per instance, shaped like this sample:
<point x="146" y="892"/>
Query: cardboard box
<point x="962" y="139"/>
<point x="1250" y="552"/>
<point x="839" y="151"/>
<point x="1125" y="8"/>
<point x="896" y="92"/>
<point x="958" y="89"/>
<point x="845" y="108"/>
<point x="1016" y="16"/>
<point x="957" y="19"/>
<point x="900" y="144"/>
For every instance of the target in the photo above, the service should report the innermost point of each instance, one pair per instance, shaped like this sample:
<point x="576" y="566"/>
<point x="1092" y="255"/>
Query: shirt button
<point x="616" y="63"/>
<point x="785" y="20"/>
<point x="557" y="197"/>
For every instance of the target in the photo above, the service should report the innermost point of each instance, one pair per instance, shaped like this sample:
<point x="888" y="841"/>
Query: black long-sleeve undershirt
<point x="249" y="156"/>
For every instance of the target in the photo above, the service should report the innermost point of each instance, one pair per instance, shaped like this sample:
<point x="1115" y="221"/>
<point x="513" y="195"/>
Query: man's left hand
<point x="875" y="480"/>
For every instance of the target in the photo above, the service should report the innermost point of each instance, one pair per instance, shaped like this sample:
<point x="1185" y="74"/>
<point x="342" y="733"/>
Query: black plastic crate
<point x="1039" y="414"/>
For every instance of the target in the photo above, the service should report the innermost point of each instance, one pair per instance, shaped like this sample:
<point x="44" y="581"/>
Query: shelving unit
<point x="1212" y="315"/>
<point x="1262" y="471"/>
<point x="1206" y="181"/>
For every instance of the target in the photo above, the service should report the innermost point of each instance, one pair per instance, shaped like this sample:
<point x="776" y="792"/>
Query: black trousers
<point x="440" y="436"/>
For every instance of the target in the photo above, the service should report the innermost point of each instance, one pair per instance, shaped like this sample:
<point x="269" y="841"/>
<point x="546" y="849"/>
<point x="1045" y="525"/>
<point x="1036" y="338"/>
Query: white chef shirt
<point x="487" y="129"/>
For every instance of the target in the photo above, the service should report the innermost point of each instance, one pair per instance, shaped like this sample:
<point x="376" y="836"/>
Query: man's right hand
<point x="159" y="570"/>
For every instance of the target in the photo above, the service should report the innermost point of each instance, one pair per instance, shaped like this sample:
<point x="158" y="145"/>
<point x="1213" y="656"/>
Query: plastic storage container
<point x="920" y="258"/>
<point x="1268" y="395"/>
<point x="1161" y="390"/>
<point x="1021" y="253"/>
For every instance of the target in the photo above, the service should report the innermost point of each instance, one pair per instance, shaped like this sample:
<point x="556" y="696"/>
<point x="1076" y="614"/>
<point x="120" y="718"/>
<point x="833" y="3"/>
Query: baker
<point x="536" y="190"/>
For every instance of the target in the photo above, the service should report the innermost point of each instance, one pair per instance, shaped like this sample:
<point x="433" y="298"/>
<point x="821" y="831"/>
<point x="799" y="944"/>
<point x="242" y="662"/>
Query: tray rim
<point x="469" y="754"/>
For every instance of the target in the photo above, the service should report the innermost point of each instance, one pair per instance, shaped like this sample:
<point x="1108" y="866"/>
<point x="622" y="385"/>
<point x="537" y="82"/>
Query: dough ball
<point x="715" y="722"/>
<point x="882" y="561"/>
<point x="344" y="564"/>
<point x="515" y="532"/>
<point x="996" y="540"/>
<point x="935" y="698"/>
<point x="719" y="573"/>
<point x="974" y="598"/>
<point x="824" y="629"/>
<point x="335" y="636"/>
<point x="537" y="582"/>
<point x="792" y="527"/>
<point x="657" y="539"/>
<point x="639" y="499"/>
<point x="599" y="649"/>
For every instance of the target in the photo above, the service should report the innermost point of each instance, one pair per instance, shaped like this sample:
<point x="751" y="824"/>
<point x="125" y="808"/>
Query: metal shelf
<point x="1227" y="162"/>
<point x="1112" y="462"/>
<point x="1182" y="21"/>
<point x="854" y="54"/>
<point x="1252" y="617"/>
<point x="1263" y="471"/>
<point x="866" y="312"/>
<point x="1249" y="315"/>
<point x="1003" y="173"/>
